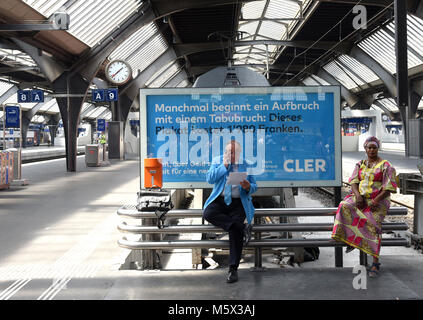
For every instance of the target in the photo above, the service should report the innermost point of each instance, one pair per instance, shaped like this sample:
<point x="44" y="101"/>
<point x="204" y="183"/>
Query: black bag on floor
<point x="311" y="253"/>
<point x="155" y="200"/>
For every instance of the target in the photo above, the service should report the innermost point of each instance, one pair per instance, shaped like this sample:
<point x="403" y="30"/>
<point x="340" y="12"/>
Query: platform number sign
<point x="101" y="95"/>
<point x="30" y="96"/>
<point x="97" y="95"/>
<point x="37" y="96"/>
<point x="111" y="94"/>
<point x="24" y="96"/>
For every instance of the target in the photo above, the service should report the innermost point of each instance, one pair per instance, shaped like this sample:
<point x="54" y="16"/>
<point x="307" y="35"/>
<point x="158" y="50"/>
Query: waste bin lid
<point x="420" y="166"/>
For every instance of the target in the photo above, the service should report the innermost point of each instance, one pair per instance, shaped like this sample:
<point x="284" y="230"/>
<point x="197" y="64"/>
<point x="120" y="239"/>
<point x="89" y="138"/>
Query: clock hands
<point x="117" y="72"/>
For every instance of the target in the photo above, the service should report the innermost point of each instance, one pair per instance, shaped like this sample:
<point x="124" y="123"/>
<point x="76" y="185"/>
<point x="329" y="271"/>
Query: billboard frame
<point x="336" y="90"/>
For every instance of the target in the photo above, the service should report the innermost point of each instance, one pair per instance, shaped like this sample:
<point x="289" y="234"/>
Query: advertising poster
<point x="289" y="136"/>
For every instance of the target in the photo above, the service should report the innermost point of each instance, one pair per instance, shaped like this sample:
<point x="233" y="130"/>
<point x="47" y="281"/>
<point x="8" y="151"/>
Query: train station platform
<point x="59" y="242"/>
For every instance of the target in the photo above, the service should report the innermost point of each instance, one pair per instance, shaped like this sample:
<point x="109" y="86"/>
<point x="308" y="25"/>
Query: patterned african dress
<point x="362" y="228"/>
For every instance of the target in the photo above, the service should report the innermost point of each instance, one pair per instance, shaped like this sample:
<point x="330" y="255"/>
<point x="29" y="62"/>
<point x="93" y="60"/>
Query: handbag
<point x="155" y="200"/>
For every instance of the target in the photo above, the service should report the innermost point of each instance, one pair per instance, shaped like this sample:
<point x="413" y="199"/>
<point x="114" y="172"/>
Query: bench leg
<point x="363" y="259"/>
<point x="339" y="263"/>
<point x="258" y="252"/>
<point x="339" y="259"/>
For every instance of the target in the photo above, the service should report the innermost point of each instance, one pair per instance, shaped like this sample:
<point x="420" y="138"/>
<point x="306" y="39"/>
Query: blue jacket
<point x="218" y="174"/>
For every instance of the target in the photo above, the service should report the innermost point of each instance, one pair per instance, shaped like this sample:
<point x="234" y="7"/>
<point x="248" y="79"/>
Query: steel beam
<point x="176" y="79"/>
<point x="401" y="51"/>
<point x="388" y="79"/>
<point x="348" y="96"/>
<point x="48" y="67"/>
<point x="190" y="48"/>
<point x="75" y="86"/>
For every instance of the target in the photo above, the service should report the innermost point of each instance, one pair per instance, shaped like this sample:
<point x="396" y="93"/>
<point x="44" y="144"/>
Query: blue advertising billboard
<point x="101" y="124"/>
<point x="12" y="117"/>
<point x="289" y="136"/>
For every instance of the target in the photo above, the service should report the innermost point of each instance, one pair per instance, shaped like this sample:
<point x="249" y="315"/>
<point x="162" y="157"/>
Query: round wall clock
<point x="118" y="72"/>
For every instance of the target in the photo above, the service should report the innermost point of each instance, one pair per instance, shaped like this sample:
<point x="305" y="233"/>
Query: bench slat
<point x="157" y="245"/>
<point x="132" y="212"/>
<point x="293" y="227"/>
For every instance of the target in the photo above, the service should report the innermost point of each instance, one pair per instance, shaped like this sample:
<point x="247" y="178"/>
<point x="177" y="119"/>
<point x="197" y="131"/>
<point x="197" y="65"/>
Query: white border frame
<point x="336" y="90"/>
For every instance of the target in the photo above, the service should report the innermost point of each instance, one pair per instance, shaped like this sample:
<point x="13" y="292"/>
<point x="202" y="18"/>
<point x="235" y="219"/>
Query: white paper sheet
<point x="236" y="177"/>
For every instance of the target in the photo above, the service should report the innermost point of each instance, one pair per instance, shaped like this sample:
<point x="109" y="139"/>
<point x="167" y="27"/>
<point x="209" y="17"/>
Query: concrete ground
<point x="59" y="241"/>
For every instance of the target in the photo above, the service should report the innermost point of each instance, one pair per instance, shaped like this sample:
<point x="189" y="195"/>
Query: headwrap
<point x="372" y="140"/>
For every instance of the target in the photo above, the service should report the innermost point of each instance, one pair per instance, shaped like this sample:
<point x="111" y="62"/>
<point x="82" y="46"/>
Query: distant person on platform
<point x="229" y="205"/>
<point x="359" y="218"/>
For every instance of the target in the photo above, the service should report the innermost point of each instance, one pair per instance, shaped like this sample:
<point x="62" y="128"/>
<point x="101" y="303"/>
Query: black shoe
<point x="247" y="233"/>
<point x="232" y="276"/>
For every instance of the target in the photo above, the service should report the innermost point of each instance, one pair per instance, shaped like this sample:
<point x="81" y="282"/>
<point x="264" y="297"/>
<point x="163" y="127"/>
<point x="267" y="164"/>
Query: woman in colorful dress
<point x="359" y="217"/>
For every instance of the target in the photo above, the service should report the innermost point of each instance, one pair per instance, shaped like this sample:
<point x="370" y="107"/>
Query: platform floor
<point x="59" y="241"/>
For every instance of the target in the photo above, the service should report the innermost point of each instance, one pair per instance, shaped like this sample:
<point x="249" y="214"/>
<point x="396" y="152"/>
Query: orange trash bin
<point x="153" y="172"/>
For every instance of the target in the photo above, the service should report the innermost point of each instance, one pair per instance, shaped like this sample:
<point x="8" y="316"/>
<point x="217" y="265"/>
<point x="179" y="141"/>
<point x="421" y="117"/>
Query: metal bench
<point x="257" y="243"/>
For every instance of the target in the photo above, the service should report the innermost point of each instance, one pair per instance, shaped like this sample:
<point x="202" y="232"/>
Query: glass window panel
<point x="152" y="50"/>
<point x="49" y="104"/>
<point x="46" y="7"/>
<point x="163" y="75"/>
<point x="363" y="71"/>
<point x="389" y="104"/>
<point x="253" y="10"/>
<point x="340" y="75"/>
<point x="282" y="9"/>
<point x="320" y="80"/>
<point x="96" y="112"/>
<point x="309" y="81"/>
<point x="272" y="30"/>
<point x="381" y="46"/>
<point x="38" y="118"/>
<point x="4" y="86"/>
<point x="103" y="16"/>
<point x="250" y="27"/>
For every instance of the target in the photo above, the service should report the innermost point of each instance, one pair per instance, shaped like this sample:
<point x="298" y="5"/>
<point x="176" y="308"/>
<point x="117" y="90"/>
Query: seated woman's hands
<point x="374" y="204"/>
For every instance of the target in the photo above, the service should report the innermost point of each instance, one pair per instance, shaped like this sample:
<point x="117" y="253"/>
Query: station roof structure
<point x="171" y="43"/>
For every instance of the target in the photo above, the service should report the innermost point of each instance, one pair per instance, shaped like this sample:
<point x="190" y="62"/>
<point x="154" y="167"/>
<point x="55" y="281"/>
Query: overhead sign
<point x="102" y="95"/>
<point x="24" y="96"/>
<point x="101" y="125"/>
<point x="12" y="117"/>
<point x="37" y="96"/>
<point x="97" y="95"/>
<point x="289" y="136"/>
<point x="30" y="96"/>
<point x="111" y="94"/>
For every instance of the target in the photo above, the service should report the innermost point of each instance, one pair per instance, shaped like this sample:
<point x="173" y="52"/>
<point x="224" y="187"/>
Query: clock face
<point x="118" y="72"/>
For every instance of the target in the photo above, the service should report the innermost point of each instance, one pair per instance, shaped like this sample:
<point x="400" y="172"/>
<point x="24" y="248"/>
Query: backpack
<point x="155" y="200"/>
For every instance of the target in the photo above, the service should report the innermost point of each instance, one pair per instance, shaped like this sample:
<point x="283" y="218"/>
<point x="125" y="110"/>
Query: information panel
<point x="289" y="136"/>
<point x="12" y="117"/>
